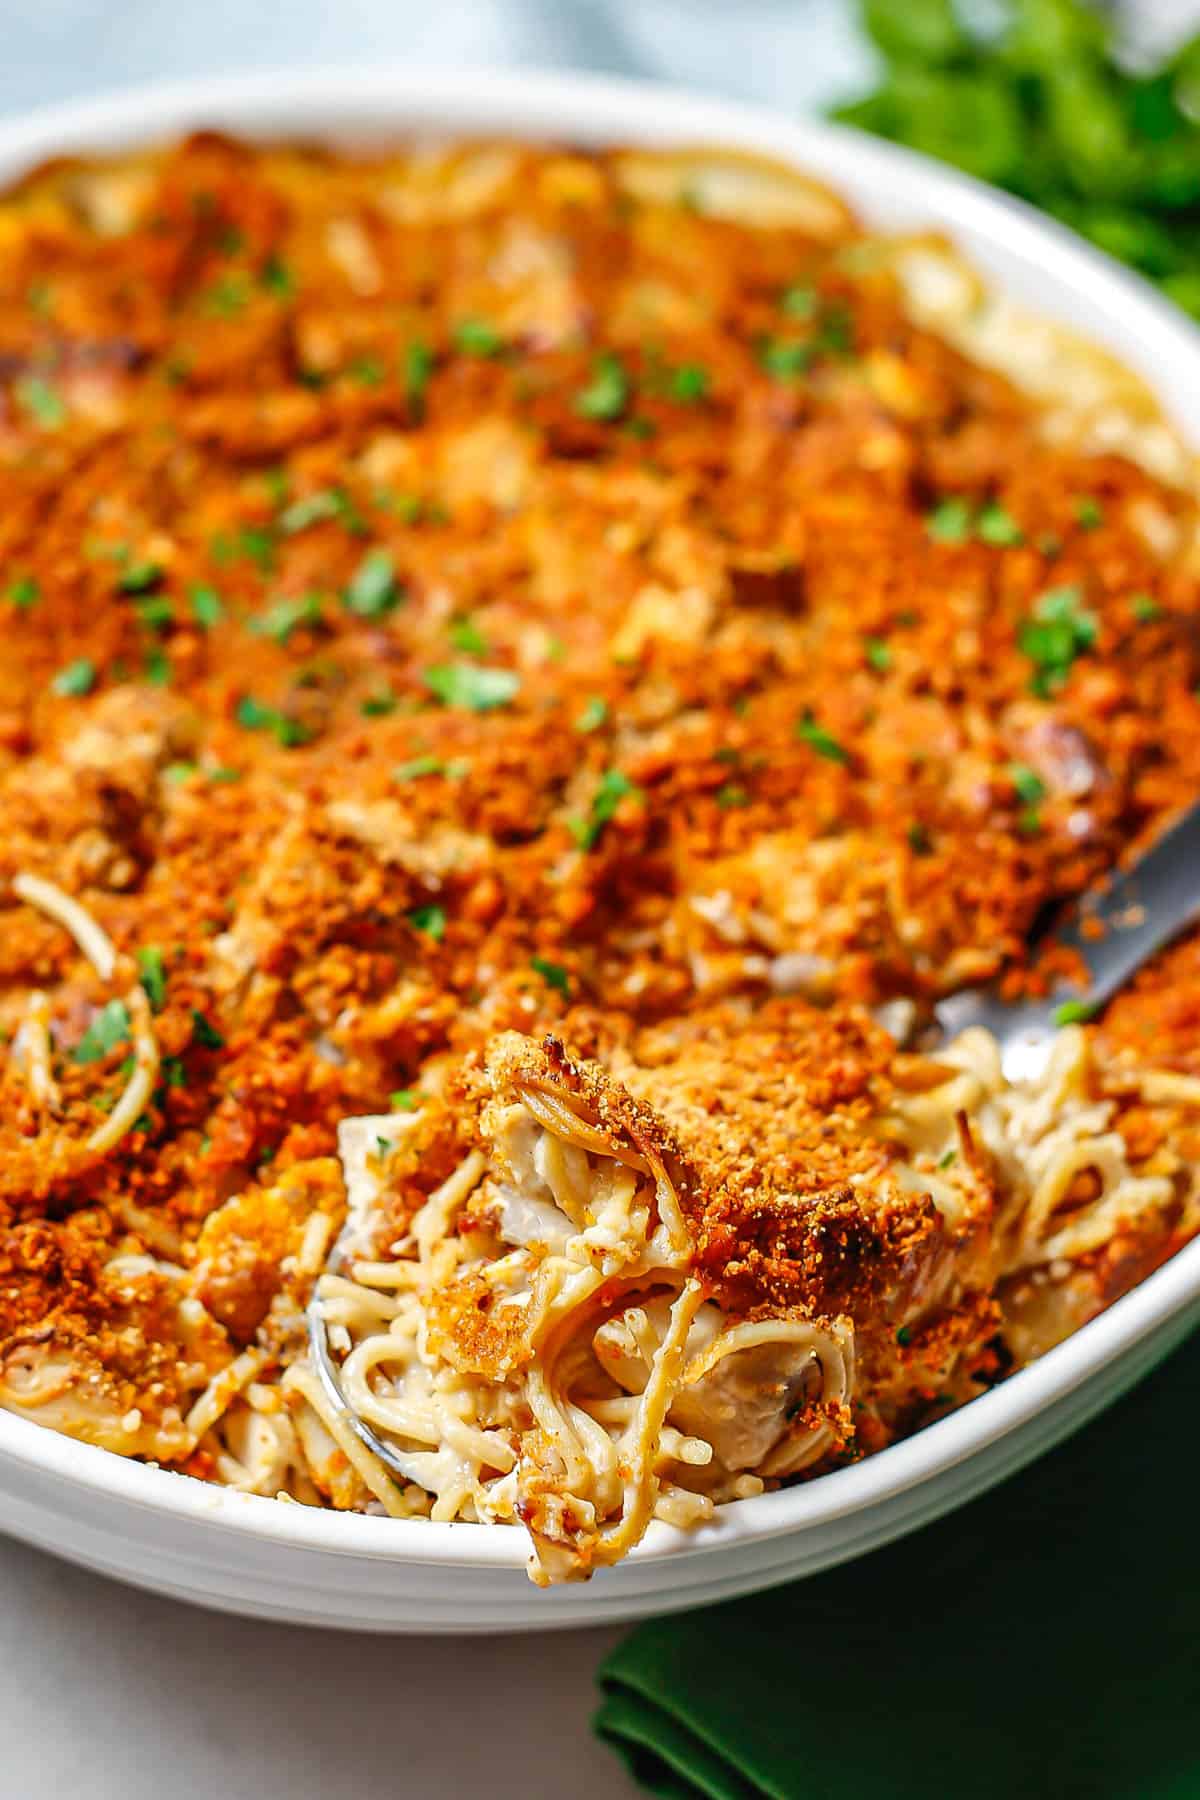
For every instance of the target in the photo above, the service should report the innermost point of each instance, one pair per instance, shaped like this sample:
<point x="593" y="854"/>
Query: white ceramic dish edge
<point x="253" y="1555"/>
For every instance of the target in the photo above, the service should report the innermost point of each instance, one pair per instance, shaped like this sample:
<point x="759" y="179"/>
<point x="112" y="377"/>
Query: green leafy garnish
<point x="418" y="767"/>
<point x="24" y="592"/>
<point x="41" y="401"/>
<point x="207" y="607"/>
<point x="785" y="358"/>
<point x="373" y="591"/>
<point x="465" y="635"/>
<point x="950" y="521"/>
<point x="614" y="786"/>
<point x="417" y="369"/>
<point x="404" y="1100"/>
<point x="997" y="526"/>
<point x="799" y="301"/>
<point x="689" y="384"/>
<point x="552" y="973"/>
<point x="204" y="1034"/>
<point x="110" y="1027"/>
<point x="254" y="716"/>
<point x="139" y="577"/>
<point x="429" y="919"/>
<point x="820" y="740"/>
<point x="312" y="509"/>
<point x="470" y="686"/>
<point x="277" y="278"/>
<point x="288" y="615"/>
<point x="731" y="795"/>
<point x="79" y="677"/>
<point x="1060" y="630"/>
<point x="878" y="653"/>
<point x="1144" y="608"/>
<point x="607" y="394"/>
<point x="1089" y="512"/>
<point x="475" y="337"/>
<point x="1029" y="786"/>
<point x="1075" y="1012"/>
<point x="379" y="704"/>
<point x="919" y="840"/>
<point x="153" y="975"/>
<point x="593" y="716"/>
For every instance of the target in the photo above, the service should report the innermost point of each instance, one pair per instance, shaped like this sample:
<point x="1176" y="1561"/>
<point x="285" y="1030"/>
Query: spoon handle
<point x="1114" y="930"/>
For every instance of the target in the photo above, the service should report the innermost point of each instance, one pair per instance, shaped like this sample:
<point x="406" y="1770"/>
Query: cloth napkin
<point x="1043" y="1641"/>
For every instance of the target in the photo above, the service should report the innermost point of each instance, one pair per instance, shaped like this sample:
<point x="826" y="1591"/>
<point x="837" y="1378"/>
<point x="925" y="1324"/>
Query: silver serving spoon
<point x="1113" y="931"/>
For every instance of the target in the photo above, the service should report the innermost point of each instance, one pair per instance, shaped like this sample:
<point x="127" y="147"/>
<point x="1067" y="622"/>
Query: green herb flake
<point x="156" y="612"/>
<point x="1088" y="512"/>
<point x="475" y="337"/>
<point x="552" y="973"/>
<point x="152" y="974"/>
<point x="404" y="1100"/>
<point x="257" y="545"/>
<point x="204" y="1034"/>
<point x="607" y="394"/>
<point x="79" y="677"/>
<point x="784" y="359"/>
<point x="950" y="521"/>
<point x="1075" y="1012"/>
<point x="997" y="526"/>
<point x="820" y="740"/>
<point x="919" y="840"/>
<point x="226" y="297"/>
<point x="368" y="371"/>
<point x="379" y="704"/>
<point x="945" y="1162"/>
<point x="288" y="615"/>
<point x="417" y="369"/>
<point x="431" y="920"/>
<point x="468" y="685"/>
<point x="799" y="301"/>
<point x="24" y="592"/>
<point x="593" y="716"/>
<point x="140" y="577"/>
<point x="373" y="591"/>
<point x="41" y="400"/>
<point x="418" y="767"/>
<point x="1060" y="630"/>
<point x="276" y="278"/>
<point x="311" y="509"/>
<point x="156" y="668"/>
<point x="1144" y="608"/>
<point x="878" y="653"/>
<point x="689" y="384"/>
<point x="613" y="787"/>
<point x="207" y="607"/>
<point x="1030" y="788"/>
<point x="465" y="635"/>
<point x="110" y="1027"/>
<point x="252" y="715"/>
<point x="730" y="796"/>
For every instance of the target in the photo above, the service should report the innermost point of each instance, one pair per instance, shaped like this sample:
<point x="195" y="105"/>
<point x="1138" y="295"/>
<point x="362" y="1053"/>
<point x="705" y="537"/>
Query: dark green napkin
<point x="1042" y="1642"/>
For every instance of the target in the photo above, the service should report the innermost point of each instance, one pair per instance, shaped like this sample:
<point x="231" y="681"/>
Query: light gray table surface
<point x="110" y="1694"/>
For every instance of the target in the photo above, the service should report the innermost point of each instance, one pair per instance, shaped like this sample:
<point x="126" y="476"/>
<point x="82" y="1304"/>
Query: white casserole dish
<point x="257" y="1556"/>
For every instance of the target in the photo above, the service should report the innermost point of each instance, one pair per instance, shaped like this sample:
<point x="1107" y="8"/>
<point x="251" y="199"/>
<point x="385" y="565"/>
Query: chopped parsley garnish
<point x="79" y="677"/>
<point x="41" y="400"/>
<point x="277" y="278"/>
<point x="467" y="685"/>
<point x="950" y="521"/>
<point x="465" y="635"/>
<point x="288" y="615"/>
<point x="312" y="509"/>
<point x="378" y="705"/>
<point x="228" y="295"/>
<point x="799" y="301"/>
<point x="1089" y="512"/>
<point x="731" y="795"/>
<point x="945" y="1161"/>
<point x="614" y="786"/>
<point x="919" y="841"/>
<point x="593" y="716"/>
<point x="373" y="591"/>
<point x="404" y="1100"/>
<point x="820" y="740"/>
<point x="1029" y="786"/>
<point x="153" y="975"/>
<point x="286" y="731"/>
<point x="1144" y="608"/>
<point x="207" y="607"/>
<point x="140" y="577"/>
<point x="689" y="384"/>
<point x="417" y="369"/>
<point x="204" y="1034"/>
<point x="368" y="371"/>
<point x="418" y="768"/>
<point x="878" y="653"/>
<point x="784" y="358"/>
<point x="156" y="668"/>
<point x="997" y="526"/>
<point x="109" y="1028"/>
<point x="156" y="612"/>
<point x="1075" y="1012"/>
<point x="552" y="973"/>
<point x="24" y="592"/>
<point x="1029" y="821"/>
<point x="429" y="919"/>
<point x="607" y="394"/>
<point x="1059" y="631"/>
<point x="475" y="337"/>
